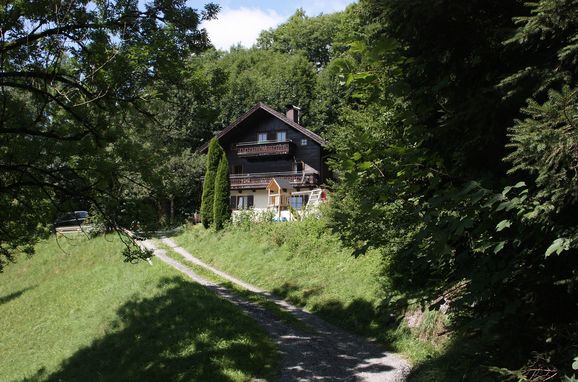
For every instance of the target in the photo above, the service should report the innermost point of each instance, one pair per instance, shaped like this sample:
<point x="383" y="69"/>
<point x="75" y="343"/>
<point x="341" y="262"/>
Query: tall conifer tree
<point x="221" y="211"/>
<point x="213" y="157"/>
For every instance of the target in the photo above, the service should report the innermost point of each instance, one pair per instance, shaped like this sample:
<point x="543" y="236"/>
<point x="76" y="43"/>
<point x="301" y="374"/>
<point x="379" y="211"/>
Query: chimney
<point x="293" y="113"/>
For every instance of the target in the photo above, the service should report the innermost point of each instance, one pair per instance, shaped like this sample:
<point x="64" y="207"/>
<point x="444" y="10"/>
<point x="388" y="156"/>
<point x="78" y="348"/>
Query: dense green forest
<point x="453" y="132"/>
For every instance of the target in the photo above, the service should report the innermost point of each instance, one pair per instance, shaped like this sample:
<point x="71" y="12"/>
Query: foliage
<point x="314" y="36"/>
<point x="437" y="89"/>
<point x="252" y="76"/>
<point x="545" y="145"/>
<point x="178" y="177"/>
<point x="214" y="155"/>
<point x="221" y="208"/>
<point x="546" y="35"/>
<point x="75" y="87"/>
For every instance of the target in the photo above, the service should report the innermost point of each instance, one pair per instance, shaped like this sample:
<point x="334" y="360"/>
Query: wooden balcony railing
<point x="265" y="148"/>
<point x="261" y="180"/>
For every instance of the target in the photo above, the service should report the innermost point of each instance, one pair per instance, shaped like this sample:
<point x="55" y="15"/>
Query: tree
<point x="319" y="37"/>
<point x="73" y="77"/>
<point x="179" y="176"/>
<point x="248" y="76"/>
<point x="428" y="174"/>
<point x="221" y="210"/>
<point x="214" y="155"/>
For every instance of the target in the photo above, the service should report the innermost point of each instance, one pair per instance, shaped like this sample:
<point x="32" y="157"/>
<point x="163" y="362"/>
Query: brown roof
<point x="273" y="112"/>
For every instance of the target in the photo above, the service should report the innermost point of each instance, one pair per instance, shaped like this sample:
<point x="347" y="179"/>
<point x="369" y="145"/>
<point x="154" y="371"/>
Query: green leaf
<point x="520" y="185"/>
<point x="365" y="165"/>
<point x="575" y="363"/>
<point x="559" y="245"/>
<point x="503" y="224"/>
<point x="499" y="246"/>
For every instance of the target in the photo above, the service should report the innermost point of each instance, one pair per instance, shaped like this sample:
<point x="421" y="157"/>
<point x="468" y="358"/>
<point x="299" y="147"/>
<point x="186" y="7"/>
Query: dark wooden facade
<point x="264" y="143"/>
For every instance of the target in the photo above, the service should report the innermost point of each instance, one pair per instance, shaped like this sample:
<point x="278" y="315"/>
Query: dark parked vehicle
<point x="71" y="219"/>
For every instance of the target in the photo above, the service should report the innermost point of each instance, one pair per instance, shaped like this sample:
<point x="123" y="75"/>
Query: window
<point x="262" y="137"/>
<point x="298" y="202"/>
<point x="304" y="142"/>
<point x="281" y="136"/>
<point x="241" y="202"/>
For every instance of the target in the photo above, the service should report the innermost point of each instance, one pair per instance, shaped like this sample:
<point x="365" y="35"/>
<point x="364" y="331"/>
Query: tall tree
<point x="221" y="208"/>
<point x="214" y="155"/>
<point x="251" y="75"/>
<point x="72" y="76"/>
<point x="427" y="172"/>
<point x="319" y="38"/>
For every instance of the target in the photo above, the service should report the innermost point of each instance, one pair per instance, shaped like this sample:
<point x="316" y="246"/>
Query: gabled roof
<point x="274" y="113"/>
<point x="283" y="184"/>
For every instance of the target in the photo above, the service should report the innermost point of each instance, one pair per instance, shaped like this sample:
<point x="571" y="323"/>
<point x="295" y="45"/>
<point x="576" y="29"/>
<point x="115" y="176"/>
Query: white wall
<point x="260" y="202"/>
<point x="259" y="197"/>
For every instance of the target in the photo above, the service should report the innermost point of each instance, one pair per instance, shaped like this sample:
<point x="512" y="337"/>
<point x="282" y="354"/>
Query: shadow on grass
<point x="459" y="362"/>
<point x="185" y="334"/>
<point x="359" y="316"/>
<point x="13" y="296"/>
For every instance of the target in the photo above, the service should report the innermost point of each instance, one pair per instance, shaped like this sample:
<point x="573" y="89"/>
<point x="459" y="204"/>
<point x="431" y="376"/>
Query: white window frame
<point x="283" y="134"/>
<point x="260" y="137"/>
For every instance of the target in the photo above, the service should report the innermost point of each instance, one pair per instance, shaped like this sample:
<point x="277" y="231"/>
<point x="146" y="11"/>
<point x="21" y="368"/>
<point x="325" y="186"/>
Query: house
<point x="273" y="160"/>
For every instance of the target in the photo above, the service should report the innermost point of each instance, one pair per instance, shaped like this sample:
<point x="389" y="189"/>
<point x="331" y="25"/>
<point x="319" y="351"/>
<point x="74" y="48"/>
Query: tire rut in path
<point x="324" y="354"/>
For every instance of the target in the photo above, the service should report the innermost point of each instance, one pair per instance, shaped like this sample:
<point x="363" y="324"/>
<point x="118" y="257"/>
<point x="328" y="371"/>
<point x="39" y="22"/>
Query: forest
<point x="452" y="128"/>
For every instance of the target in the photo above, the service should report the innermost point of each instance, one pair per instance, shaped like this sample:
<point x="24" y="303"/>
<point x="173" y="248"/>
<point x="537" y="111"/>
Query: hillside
<point x="75" y="311"/>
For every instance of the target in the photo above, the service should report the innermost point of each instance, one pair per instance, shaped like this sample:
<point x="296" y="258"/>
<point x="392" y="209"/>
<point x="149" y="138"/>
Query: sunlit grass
<point x="308" y="266"/>
<point x="256" y="298"/>
<point x="81" y="313"/>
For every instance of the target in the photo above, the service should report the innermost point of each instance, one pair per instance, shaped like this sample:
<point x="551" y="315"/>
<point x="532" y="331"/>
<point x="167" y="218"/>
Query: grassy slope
<point x="305" y="264"/>
<point x="82" y="314"/>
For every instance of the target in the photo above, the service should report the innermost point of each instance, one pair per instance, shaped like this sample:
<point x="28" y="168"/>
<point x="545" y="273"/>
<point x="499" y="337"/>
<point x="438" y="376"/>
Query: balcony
<point x="261" y="180"/>
<point x="264" y="148"/>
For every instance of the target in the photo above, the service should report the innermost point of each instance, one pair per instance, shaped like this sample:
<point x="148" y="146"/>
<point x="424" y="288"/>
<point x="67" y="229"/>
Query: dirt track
<point x="324" y="353"/>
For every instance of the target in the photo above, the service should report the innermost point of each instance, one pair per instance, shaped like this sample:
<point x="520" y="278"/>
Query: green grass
<point x="248" y="295"/>
<point x="322" y="277"/>
<point x="80" y="313"/>
<point x="308" y="266"/>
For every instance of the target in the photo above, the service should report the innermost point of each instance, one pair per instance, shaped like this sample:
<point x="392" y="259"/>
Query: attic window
<point x="281" y="136"/>
<point x="262" y="137"/>
<point x="304" y="142"/>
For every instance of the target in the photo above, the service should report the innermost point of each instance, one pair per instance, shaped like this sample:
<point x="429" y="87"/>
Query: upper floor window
<point x="262" y="137"/>
<point x="304" y="142"/>
<point x="281" y="136"/>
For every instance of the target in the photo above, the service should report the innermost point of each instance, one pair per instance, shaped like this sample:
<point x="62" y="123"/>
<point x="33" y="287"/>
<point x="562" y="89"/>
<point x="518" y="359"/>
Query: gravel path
<point x="325" y="353"/>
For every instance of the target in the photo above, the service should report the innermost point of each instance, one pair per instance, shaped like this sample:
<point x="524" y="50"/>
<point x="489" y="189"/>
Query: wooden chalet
<point x="264" y="145"/>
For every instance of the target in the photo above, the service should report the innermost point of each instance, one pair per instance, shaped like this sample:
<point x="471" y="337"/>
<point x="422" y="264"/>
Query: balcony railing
<point x="261" y="180"/>
<point x="264" y="148"/>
